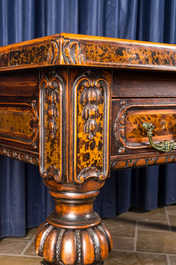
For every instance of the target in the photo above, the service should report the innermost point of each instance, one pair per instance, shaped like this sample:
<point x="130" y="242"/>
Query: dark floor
<point x="140" y="238"/>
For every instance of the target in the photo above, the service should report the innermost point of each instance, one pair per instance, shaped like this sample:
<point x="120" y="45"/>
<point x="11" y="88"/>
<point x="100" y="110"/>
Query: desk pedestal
<point x="74" y="162"/>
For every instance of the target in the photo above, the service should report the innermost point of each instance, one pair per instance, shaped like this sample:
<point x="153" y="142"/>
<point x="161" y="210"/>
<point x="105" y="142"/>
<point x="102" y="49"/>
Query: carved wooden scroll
<point x="51" y="110"/>
<point x="91" y="127"/>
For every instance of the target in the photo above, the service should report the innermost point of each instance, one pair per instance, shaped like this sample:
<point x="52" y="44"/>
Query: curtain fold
<point x="24" y="199"/>
<point x="12" y="200"/>
<point x="151" y="17"/>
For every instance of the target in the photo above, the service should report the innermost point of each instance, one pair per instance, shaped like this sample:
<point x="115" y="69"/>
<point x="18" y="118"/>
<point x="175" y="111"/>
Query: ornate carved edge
<point x="120" y="124"/>
<point x="29" y="158"/>
<point x="65" y="51"/>
<point x="95" y="52"/>
<point x="58" y="51"/>
<point x="90" y="98"/>
<point x="51" y="113"/>
<point x="142" y="161"/>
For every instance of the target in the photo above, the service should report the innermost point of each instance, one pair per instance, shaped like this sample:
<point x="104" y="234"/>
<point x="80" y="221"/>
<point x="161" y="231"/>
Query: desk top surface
<point x="82" y="50"/>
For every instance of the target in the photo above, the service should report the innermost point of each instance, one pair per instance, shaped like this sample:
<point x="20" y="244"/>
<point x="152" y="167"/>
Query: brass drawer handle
<point x="164" y="146"/>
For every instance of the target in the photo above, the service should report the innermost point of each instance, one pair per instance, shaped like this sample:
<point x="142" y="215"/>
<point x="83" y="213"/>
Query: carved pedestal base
<point x="71" y="246"/>
<point x="44" y="262"/>
<point x="73" y="234"/>
<point x="74" y="162"/>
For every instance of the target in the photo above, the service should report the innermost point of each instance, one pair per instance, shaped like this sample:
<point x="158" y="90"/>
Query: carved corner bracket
<point x="51" y="126"/>
<point x="91" y="101"/>
<point x="65" y="51"/>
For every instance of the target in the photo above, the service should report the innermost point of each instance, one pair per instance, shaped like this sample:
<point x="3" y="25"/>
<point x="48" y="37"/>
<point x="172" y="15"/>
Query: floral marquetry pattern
<point x="91" y="126"/>
<point x="51" y="90"/>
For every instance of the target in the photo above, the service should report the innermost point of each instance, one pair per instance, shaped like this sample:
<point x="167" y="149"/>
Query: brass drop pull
<point x="164" y="146"/>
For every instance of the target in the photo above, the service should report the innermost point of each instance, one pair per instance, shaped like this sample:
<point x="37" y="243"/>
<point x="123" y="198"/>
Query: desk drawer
<point x="130" y="138"/>
<point x="145" y="84"/>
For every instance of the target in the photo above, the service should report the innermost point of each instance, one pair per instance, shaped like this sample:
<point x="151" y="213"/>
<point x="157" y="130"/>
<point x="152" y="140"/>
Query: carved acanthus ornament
<point x="65" y="51"/>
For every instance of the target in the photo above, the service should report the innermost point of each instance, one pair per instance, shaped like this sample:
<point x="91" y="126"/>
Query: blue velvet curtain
<point x="24" y="200"/>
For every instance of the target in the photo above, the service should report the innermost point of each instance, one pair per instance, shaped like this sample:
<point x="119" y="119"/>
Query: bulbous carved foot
<point x="44" y="262"/>
<point x="59" y="246"/>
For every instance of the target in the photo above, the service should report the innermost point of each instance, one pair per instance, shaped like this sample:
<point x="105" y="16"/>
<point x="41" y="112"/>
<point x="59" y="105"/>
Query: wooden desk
<point x="78" y="106"/>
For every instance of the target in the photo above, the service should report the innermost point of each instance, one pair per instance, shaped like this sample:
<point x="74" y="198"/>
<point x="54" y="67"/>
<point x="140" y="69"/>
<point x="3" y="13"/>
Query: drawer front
<point x="19" y="115"/>
<point x="145" y="84"/>
<point x="129" y="138"/>
<point x="19" y="123"/>
<point x="19" y="84"/>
